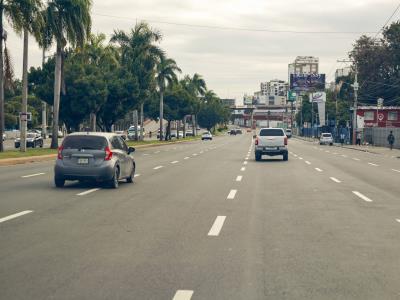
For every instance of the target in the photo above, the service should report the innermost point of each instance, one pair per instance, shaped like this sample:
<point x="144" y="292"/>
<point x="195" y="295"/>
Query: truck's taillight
<point x="108" y="154"/>
<point x="59" y="152"/>
<point x="256" y="142"/>
<point x="285" y="140"/>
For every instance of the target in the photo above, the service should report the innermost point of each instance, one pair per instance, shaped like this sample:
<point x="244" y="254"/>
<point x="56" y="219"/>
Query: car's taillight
<point x="285" y="140"/>
<point x="256" y="142"/>
<point x="59" y="152"/>
<point x="108" y="154"/>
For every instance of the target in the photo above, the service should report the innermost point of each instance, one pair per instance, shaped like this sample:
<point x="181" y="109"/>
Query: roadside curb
<point x="48" y="157"/>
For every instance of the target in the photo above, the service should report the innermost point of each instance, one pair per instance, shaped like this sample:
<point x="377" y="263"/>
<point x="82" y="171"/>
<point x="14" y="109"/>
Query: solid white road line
<point x="158" y="167"/>
<point x="239" y="178"/>
<point x="87" y="192"/>
<point x="356" y="159"/>
<point x="243" y="169"/>
<point x="15" y="215"/>
<point x="174" y="162"/>
<point x="187" y="157"/>
<point x="372" y="164"/>
<point x="232" y="194"/>
<point x="335" y="180"/>
<point x="318" y="169"/>
<point x="32" y="175"/>
<point x="365" y="198"/>
<point x="394" y="170"/>
<point x="183" y="295"/>
<point x="217" y="226"/>
<point x="308" y="163"/>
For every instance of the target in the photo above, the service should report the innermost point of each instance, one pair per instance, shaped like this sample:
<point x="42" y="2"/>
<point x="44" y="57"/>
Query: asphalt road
<point x="203" y="220"/>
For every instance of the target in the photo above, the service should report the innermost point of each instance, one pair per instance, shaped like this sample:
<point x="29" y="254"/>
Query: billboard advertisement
<point x="307" y="82"/>
<point x="318" y="97"/>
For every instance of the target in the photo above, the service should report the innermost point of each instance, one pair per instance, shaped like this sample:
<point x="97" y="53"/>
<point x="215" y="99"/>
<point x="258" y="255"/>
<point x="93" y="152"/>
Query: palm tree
<point x="28" y="21"/>
<point x="70" y="22"/>
<point x="166" y="75"/>
<point x="140" y="54"/>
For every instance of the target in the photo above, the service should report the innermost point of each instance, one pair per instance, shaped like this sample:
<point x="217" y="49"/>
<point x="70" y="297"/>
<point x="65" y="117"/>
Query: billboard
<point x="307" y="82"/>
<point x="318" y="97"/>
<point x="291" y="96"/>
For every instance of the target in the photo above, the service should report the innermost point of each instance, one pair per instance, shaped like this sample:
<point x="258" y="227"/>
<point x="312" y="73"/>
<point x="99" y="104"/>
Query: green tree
<point x="70" y="22"/>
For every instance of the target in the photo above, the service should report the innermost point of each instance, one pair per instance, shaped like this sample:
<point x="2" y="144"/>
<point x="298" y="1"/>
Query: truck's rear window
<point x="326" y="135"/>
<point x="85" y="142"/>
<point x="271" y="132"/>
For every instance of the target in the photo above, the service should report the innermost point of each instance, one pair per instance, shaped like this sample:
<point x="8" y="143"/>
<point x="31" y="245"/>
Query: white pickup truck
<point x="271" y="142"/>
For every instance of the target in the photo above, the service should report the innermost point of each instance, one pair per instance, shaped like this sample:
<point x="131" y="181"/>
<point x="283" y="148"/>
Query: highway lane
<point x="217" y="225"/>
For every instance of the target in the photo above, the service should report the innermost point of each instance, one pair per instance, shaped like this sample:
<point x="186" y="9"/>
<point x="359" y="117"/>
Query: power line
<point x="233" y="28"/>
<point x="388" y="20"/>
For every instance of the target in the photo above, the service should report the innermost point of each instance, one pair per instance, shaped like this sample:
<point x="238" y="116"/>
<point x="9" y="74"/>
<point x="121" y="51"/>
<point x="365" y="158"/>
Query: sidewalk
<point x="370" y="149"/>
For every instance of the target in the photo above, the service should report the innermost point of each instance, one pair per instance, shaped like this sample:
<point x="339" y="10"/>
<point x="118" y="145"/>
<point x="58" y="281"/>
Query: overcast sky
<point x="234" y="62"/>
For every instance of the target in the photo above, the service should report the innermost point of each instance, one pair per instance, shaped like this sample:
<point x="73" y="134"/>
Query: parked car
<point x="4" y="137"/>
<point x="189" y="132"/>
<point x="206" y="136"/>
<point x="33" y="140"/>
<point x="238" y="131"/>
<point x="271" y="142"/>
<point x="101" y="157"/>
<point x="232" y="132"/>
<point x="132" y="132"/>
<point x="288" y="133"/>
<point x="326" y="139"/>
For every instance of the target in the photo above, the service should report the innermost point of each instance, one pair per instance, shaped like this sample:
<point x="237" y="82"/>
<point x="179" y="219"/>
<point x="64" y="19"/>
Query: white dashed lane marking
<point x="243" y="169"/>
<point x="245" y="162"/>
<point x="137" y="175"/>
<point x="398" y="220"/>
<point x="88" y="192"/>
<point x="365" y="198"/>
<point x="174" y="162"/>
<point x="335" y="179"/>
<point x="372" y="164"/>
<point x="217" y="226"/>
<point x="394" y="170"/>
<point x="15" y="215"/>
<point x="158" y="167"/>
<point x="308" y="163"/>
<point x="187" y="157"/>
<point x="32" y="175"/>
<point x="239" y="178"/>
<point x="318" y="169"/>
<point x="356" y="159"/>
<point x="183" y="295"/>
<point x="232" y="194"/>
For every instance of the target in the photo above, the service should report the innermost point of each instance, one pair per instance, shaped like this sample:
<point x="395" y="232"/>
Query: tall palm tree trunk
<point x="24" y="109"/>
<point x="57" y="90"/>
<point x="161" y="113"/>
<point x="1" y="79"/>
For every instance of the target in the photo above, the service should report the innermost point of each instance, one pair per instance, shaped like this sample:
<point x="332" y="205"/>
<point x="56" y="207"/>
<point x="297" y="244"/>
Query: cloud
<point x="234" y="62"/>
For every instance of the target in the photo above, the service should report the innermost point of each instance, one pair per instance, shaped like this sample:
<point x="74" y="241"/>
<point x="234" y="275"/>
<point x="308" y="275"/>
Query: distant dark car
<point x="232" y="132"/>
<point x="101" y="157"/>
<point x="33" y="140"/>
<point x="238" y="131"/>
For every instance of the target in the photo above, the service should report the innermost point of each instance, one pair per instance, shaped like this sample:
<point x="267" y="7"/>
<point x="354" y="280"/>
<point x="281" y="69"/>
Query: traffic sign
<point x="381" y="117"/>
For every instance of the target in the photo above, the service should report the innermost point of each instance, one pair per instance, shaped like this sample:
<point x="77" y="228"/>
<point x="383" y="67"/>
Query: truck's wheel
<point x="258" y="156"/>
<point x="59" y="182"/>
<point x="285" y="157"/>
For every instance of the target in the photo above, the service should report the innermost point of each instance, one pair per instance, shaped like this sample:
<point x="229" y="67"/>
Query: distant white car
<point x="206" y="136"/>
<point x="4" y="137"/>
<point x="288" y="133"/>
<point x="326" y="139"/>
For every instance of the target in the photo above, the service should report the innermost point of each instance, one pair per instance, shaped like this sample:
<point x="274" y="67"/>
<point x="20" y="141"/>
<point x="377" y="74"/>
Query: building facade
<point x="304" y="65"/>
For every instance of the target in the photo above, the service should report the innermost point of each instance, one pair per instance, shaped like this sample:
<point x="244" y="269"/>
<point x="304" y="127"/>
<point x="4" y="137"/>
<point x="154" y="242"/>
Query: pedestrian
<point x="390" y="139"/>
<point x="342" y="138"/>
<point x="358" y="140"/>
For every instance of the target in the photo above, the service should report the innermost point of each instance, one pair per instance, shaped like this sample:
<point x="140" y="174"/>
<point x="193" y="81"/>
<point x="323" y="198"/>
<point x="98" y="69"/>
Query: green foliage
<point x="212" y="111"/>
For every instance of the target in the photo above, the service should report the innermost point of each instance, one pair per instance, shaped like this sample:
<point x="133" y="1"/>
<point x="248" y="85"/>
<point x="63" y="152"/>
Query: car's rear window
<point x="85" y="142"/>
<point x="326" y="135"/>
<point x="271" y="132"/>
<point x="31" y="135"/>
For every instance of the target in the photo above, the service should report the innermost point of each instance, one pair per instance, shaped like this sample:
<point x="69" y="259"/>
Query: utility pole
<point x="44" y="106"/>
<point x="356" y="87"/>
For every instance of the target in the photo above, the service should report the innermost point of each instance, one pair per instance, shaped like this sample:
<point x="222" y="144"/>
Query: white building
<point x="274" y="92"/>
<point x="304" y="65"/>
<point x="342" y="72"/>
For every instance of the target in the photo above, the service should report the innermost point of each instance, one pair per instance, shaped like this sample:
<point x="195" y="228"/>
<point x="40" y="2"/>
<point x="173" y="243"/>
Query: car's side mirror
<point x="131" y="150"/>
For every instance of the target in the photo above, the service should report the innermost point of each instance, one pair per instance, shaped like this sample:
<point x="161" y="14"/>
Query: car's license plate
<point x="270" y="148"/>
<point x="83" y="161"/>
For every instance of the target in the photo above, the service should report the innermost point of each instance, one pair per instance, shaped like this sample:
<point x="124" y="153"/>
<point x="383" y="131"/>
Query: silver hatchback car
<point x="102" y="157"/>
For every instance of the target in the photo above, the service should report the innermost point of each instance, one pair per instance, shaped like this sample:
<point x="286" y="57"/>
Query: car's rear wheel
<point x="258" y="156"/>
<point x="285" y="157"/>
<point x="59" y="182"/>
<point x="114" y="181"/>
<point x="132" y="176"/>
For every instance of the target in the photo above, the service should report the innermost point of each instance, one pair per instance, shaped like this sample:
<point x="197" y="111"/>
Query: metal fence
<point x="378" y="136"/>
